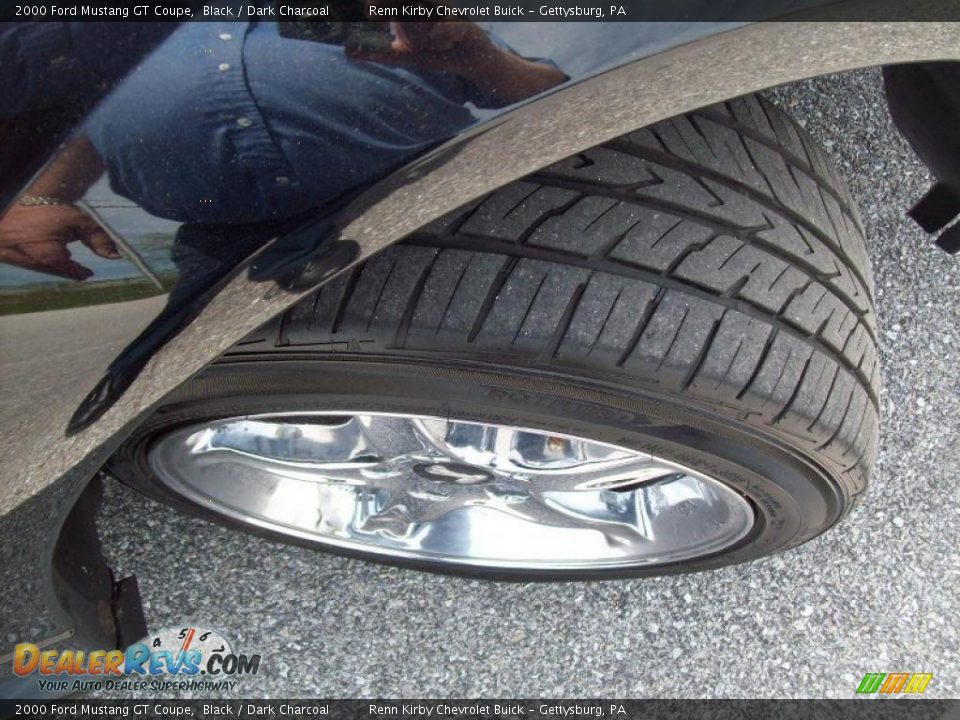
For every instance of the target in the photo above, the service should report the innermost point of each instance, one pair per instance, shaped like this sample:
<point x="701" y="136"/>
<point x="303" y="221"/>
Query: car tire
<point x="698" y="290"/>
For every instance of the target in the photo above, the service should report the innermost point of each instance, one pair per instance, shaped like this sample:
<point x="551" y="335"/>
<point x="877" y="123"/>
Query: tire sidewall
<point x="794" y="500"/>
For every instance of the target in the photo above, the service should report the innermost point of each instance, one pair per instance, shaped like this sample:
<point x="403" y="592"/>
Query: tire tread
<point x="717" y="257"/>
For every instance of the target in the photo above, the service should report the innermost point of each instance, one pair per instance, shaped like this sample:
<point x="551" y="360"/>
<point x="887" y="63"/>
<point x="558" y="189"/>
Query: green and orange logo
<point x="894" y="683"/>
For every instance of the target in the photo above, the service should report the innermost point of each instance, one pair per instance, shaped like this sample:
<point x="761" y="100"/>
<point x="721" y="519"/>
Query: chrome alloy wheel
<point x="451" y="492"/>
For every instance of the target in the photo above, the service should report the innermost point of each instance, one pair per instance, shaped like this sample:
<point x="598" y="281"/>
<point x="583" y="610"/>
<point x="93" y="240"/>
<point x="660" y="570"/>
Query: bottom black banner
<point x="874" y="709"/>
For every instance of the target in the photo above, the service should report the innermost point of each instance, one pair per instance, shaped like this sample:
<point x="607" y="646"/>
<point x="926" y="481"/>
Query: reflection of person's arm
<point x="463" y="48"/>
<point x="35" y="231"/>
<point x="68" y="177"/>
<point x="507" y="78"/>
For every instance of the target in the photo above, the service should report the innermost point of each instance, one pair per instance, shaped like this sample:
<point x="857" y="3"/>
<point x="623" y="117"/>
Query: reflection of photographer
<point x="229" y="124"/>
<point x="462" y="48"/>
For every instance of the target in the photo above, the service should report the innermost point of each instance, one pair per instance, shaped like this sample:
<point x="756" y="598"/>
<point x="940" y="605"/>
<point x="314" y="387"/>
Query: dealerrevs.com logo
<point x="182" y="658"/>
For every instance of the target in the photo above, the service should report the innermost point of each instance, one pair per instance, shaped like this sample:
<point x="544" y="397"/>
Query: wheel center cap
<point x="452" y="472"/>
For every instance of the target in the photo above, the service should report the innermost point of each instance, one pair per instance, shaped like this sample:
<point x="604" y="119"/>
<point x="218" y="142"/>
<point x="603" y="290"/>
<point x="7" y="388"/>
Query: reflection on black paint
<point x="239" y="134"/>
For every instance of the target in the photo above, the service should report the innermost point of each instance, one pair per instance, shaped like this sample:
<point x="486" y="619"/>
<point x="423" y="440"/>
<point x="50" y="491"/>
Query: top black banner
<point x="335" y="11"/>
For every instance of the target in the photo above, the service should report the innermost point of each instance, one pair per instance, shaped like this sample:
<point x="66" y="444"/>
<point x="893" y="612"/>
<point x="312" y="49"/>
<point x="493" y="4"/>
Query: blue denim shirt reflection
<point x="230" y="124"/>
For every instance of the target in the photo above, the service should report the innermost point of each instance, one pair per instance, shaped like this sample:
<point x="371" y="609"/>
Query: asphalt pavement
<point x="878" y="593"/>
